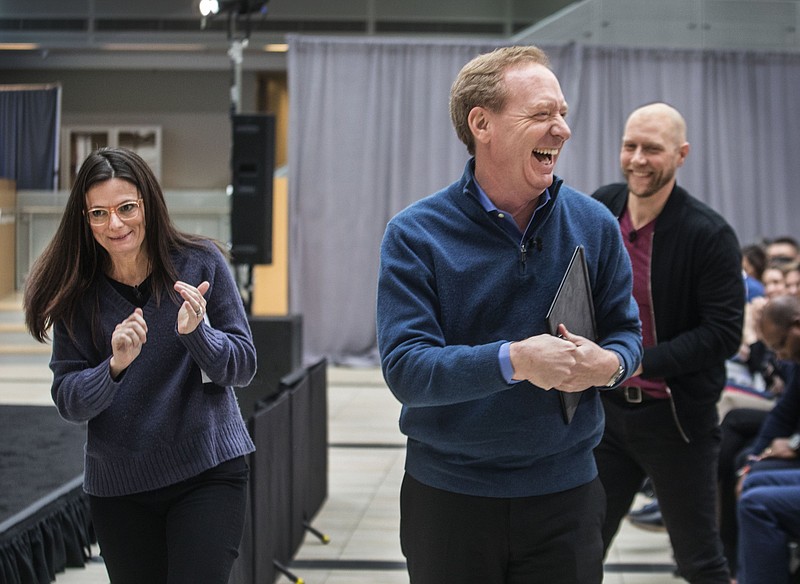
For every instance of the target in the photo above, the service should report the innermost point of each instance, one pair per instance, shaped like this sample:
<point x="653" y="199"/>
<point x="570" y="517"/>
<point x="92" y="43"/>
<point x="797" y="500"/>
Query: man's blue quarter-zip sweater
<point x="454" y="285"/>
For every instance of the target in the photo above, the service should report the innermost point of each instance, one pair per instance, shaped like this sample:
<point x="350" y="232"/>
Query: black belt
<point x="632" y="394"/>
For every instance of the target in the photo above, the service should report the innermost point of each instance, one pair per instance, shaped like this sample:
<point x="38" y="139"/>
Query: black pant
<point x="548" y="539"/>
<point x="187" y="533"/>
<point x="644" y="440"/>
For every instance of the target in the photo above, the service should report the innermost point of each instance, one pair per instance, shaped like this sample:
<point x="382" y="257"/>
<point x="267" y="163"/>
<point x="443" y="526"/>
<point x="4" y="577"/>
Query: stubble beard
<point x="658" y="183"/>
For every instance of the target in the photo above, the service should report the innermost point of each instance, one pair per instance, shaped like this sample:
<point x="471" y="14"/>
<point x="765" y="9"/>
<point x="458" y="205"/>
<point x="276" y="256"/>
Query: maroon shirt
<point x="639" y="243"/>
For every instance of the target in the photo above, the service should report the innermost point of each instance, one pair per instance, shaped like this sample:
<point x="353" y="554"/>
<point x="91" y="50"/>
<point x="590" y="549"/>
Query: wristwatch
<point x="618" y="374"/>
<point x="794" y="441"/>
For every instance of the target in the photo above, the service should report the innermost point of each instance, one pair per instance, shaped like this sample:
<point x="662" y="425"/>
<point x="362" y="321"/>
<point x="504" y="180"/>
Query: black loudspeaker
<point x="253" y="170"/>
<point x="279" y="348"/>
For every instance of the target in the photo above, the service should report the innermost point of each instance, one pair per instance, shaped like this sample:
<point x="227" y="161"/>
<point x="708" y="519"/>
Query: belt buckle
<point x="633" y="395"/>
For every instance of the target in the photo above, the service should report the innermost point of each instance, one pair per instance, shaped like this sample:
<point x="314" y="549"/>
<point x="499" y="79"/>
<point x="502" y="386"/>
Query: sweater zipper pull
<point x="523" y="254"/>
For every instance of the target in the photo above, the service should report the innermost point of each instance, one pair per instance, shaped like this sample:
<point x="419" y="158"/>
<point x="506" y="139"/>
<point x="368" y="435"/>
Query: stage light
<point x="209" y="7"/>
<point x="239" y="26"/>
<point x="239" y="7"/>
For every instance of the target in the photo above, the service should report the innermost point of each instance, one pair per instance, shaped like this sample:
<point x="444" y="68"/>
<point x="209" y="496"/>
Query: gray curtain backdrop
<point x="370" y="133"/>
<point x="29" y="127"/>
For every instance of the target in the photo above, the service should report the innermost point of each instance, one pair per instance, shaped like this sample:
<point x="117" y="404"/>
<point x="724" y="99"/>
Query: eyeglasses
<point x="101" y="215"/>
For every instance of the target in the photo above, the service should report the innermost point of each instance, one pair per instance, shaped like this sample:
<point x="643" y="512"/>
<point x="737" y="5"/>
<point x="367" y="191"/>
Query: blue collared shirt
<point x="507" y="220"/>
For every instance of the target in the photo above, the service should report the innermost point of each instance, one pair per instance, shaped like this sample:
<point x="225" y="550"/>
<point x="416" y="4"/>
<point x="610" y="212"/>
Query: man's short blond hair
<point x="480" y="83"/>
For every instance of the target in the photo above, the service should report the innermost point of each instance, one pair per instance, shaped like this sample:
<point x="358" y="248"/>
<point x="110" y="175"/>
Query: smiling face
<point x="791" y="279"/>
<point x="122" y="239"/>
<point x="517" y="147"/>
<point x="653" y="147"/>
<point x="774" y="282"/>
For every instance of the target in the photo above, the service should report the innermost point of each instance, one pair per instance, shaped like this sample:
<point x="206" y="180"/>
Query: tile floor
<point x="361" y="514"/>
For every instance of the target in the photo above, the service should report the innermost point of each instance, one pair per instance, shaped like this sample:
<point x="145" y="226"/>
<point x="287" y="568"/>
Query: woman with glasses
<point x="149" y="338"/>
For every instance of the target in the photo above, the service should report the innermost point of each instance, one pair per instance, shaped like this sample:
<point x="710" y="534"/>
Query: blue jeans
<point x="739" y="430"/>
<point x="644" y="440"/>
<point x="182" y="534"/>
<point x="769" y="515"/>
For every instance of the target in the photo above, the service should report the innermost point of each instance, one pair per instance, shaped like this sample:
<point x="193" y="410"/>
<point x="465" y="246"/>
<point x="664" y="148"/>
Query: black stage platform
<point x="44" y="515"/>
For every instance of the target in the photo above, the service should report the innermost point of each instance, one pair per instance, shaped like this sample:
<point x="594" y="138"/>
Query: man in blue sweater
<point x="498" y="488"/>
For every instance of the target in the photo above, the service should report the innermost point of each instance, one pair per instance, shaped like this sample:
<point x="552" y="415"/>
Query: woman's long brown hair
<point x="73" y="261"/>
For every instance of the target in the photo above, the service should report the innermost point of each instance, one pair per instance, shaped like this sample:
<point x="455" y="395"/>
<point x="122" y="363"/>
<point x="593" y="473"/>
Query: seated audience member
<point x="774" y="286"/>
<point x="773" y="279"/>
<point x="779" y="327"/>
<point x="783" y="249"/>
<point x="754" y="260"/>
<point x="778" y="439"/>
<point x="791" y="278"/>
<point x="738" y="430"/>
<point x="769" y="518"/>
<point x="752" y="381"/>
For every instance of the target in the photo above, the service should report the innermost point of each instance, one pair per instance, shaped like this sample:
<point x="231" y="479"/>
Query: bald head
<point x="779" y="327"/>
<point x="664" y="116"/>
<point x="654" y="146"/>
<point x="782" y="311"/>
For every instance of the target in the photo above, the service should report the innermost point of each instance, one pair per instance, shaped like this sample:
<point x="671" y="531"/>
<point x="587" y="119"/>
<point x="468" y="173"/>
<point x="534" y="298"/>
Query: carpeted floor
<point x="39" y="452"/>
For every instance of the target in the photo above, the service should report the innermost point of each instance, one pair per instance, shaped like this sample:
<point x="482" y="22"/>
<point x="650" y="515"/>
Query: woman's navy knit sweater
<point x="158" y="423"/>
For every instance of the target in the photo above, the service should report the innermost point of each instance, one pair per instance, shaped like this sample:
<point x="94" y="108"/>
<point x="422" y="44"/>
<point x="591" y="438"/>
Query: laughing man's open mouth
<point x="545" y="154"/>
